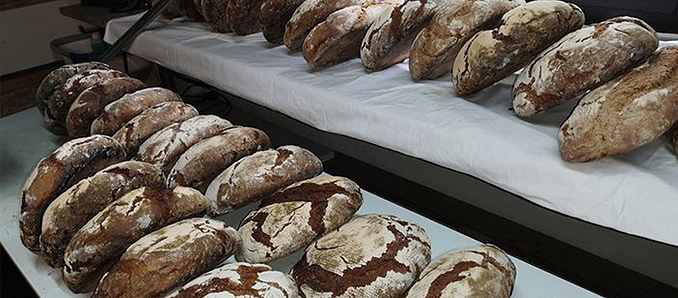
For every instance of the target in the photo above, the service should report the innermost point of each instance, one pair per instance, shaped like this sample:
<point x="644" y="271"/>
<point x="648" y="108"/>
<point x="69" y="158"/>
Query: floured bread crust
<point x="243" y="16"/>
<point x="274" y="16"/>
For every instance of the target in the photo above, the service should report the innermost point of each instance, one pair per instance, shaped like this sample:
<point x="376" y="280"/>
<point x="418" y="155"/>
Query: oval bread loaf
<point x="338" y="38"/>
<point x="239" y="280"/>
<point x="480" y="271"/>
<point x="295" y="216"/>
<point x="99" y="243"/>
<point x="91" y="102"/>
<point x="625" y="113"/>
<point x="243" y="16"/>
<point x="455" y="22"/>
<point x="73" y="161"/>
<point x="119" y="112"/>
<point x="273" y="17"/>
<point x="371" y="256"/>
<point x="150" y="121"/>
<point x="582" y="60"/>
<point x="201" y="163"/>
<point x="165" y="146"/>
<point x="390" y="37"/>
<point x="256" y="176"/>
<point x="73" y="208"/>
<point x="526" y="30"/>
<point x="216" y="14"/>
<point x="167" y="258"/>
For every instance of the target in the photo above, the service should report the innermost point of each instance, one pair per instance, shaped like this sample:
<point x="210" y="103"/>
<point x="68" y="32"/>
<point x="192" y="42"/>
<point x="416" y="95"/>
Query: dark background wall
<point x="662" y="15"/>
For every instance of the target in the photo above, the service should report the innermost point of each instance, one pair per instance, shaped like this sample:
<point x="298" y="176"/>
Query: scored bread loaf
<point x="239" y="280"/>
<point x="73" y="208"/>
<point x="371" y="256"/>
<point x="243" y="16"/>
<point x="390" y="37"/>
<point x="150" y="121"/>
<point x="256" y="176"/>
<point x="99" y="243"/>
<point x="167" y="258"/>
<point x="201" y="163"/>
<point x="479" y="271"/>
<point x="338" y="38"/>
<point x="119" y="112"/>
<point x="455" y="22"/>
<point x="273" y="17"/>
<point x="625" y="113"/>
<point x="582" y="60"/>
<point x="526" y="30"/>
<point x="73" y="161"/>
<point x="91" y="102"/>
<point x="293" y="217"/>
<point x="216" y="14"/>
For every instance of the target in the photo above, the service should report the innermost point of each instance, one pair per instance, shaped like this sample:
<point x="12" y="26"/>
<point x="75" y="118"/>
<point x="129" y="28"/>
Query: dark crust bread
<point x="243" y="16"/>
<point x="273" y="17"/>
<point x="216" y="14"/>
<point x="673" y="134"/>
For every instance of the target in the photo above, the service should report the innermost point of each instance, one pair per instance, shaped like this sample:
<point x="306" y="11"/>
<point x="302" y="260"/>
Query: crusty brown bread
<point x="216" y="14"/>
<point x="673" y="134"/>
<point x="243" y="16"/>
<point x="625" y="113"/>
<point x="273" y="17"/>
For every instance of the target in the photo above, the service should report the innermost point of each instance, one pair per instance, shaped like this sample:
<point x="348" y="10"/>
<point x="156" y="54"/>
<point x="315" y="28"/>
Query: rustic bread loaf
<point x="309" y="14"/>
<point x="239" y="280"/>
<point x="99" y="243"/>
<point x="201" y="163"/>
<point x="582" y="60"/>
<point x="119" y="112"/>
<point x="526" y="30"/>
<point x="73" y="208"/>
<point x="437" y="45"/>
<point x="167" y="258"/>
<point x="479" y="271"/>
<point x="216" y="14"/>
<point x="165" y="146"/>
<point x="273" y="17"/>
<point x="390" y="37"/>
<point x="70" y="163"/>
<point x="338" y="38"/>
<point x="150" y="121"/>
<point x="257" y="176"/>
<point x="371" y="256"/>
<point x="91" y="102"/>
<point x="673" y="135"/>
<point x="625" y="113"/>
<point x="295" y="216"/>
<point x="243" y="16"/>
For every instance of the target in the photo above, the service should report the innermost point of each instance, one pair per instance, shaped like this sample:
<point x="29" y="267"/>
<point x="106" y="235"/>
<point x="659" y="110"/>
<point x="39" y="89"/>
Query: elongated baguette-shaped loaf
<point x="119" y="112"/>
<point x="479" y="271"/>
<point x="243" y="16"/>
<point x="338" y="38"/>
<point x="582" y="60"/>
<point x="625" y="113"/>
<point x="295" y="216"/>
<point x="455" y="22"/>
<point x="73" y="161"/>
<point x="273" y="17"/>
<point x="256" y="176"/>
<point x="239" y="280"/>
<point x="99" y="243"/>
<point x="526" y="30"/>
<point x="371" y="256"/>
<point x="165" y="146"/>
<point x="201" y="163"/>
<point x="216" y="14"/>
<point x="169" y="257"/>
<point x="150" y="121"/>
<point x="91" y="103"/>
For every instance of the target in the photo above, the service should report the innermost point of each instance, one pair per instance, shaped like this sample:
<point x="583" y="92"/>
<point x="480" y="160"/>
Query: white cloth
<point x="479" y="135"/>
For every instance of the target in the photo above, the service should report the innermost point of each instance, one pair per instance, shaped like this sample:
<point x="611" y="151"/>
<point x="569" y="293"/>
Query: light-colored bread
<point x="243" y="16"/>
<point x="273" y="17"/>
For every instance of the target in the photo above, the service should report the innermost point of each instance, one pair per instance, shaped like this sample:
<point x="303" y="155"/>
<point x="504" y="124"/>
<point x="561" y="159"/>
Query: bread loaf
<point x="239" y="280"/>
<point x="173" y="10"/>
<point x="582" y="60"/>
<point x="201" y="163"/>
<point x="243" y="16"/>
<point x="70" y="163"/>
<point x="295" y="216"/>
<point x="390" y="37"/>
<point x="309" y="14"/>
<point x="150" y="121"/>
<point x="480" y="271"/>
<point x="437" y="45"/>
<point x="99" y="243"/>
<point x="673" y="135"/>
<point x="256" y="176"/>
<point x="91" y="102"/>
<point x="625" y="113"/>
<point x="338" y="38"/>
<point x="273" y="17"/>
<point x="119" y="112"/>
<point x="371" y="256"/>
<point x="526" y="30"/>
<point x="73" y="208"/>
<point x="216" y="14"/>
<point x="167" y="258"/>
